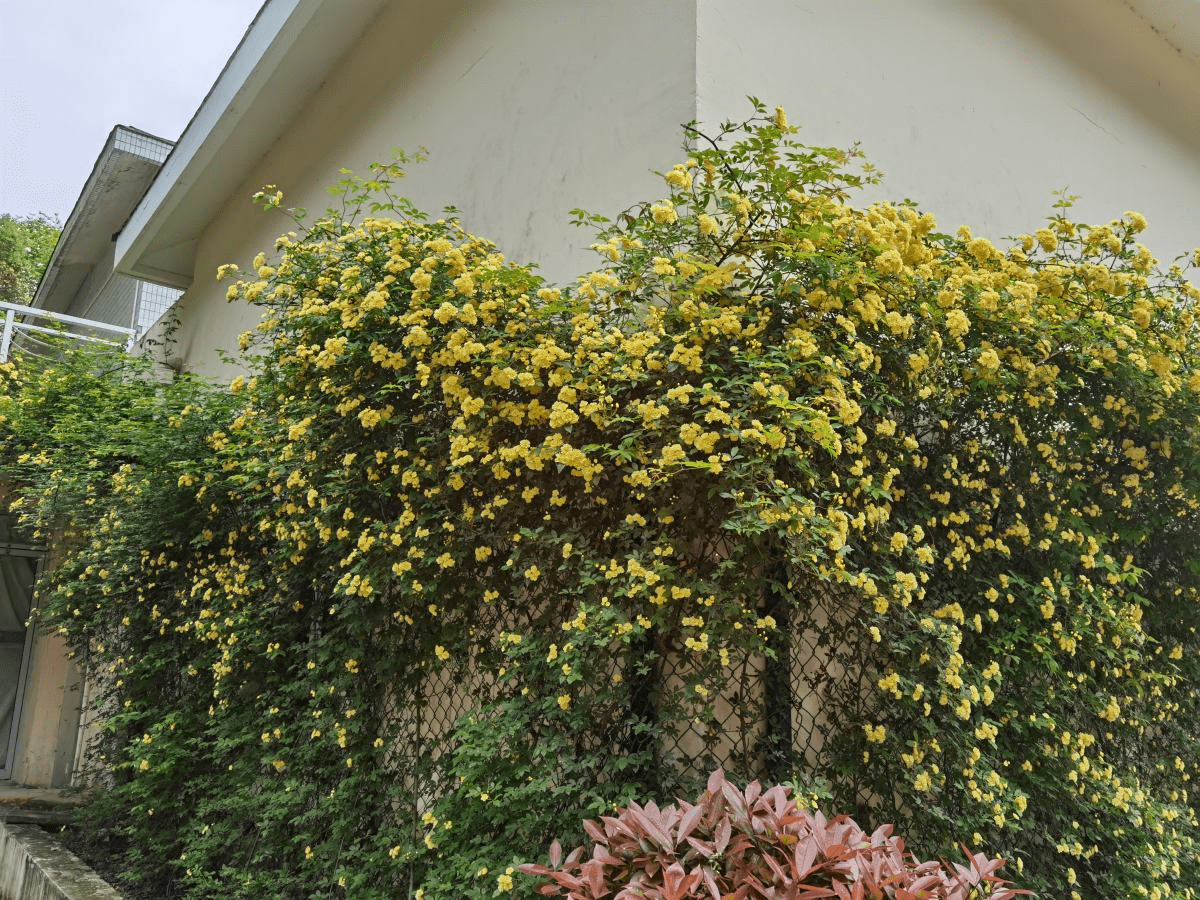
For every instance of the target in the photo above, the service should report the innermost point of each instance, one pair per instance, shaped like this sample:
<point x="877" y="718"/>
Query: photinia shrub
<point x="742" y="845"/>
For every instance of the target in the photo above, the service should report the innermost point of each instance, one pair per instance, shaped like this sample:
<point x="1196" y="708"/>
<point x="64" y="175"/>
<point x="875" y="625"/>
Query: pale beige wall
<point x="46" y="736"/>
<point x="977" y="109"/>
<point x="529" y="108"/>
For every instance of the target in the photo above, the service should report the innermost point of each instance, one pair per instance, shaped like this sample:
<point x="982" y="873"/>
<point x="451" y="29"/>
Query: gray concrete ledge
<point x="34" y="866"/>
<point x="37" y="806"/>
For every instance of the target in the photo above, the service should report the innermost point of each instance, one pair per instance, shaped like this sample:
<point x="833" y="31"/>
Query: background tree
<point x="26" y="243"/>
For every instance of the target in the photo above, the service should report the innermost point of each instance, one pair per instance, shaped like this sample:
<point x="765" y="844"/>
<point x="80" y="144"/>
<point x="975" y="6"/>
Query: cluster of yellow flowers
<point x="958" y="476"/>
<point x="915" y="420"/>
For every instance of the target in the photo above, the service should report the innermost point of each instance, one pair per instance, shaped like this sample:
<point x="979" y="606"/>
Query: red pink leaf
<point x="755" y="845"/>
<point x="688" y="822"/>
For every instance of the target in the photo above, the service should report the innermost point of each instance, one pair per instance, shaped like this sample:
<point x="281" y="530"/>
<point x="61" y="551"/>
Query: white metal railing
<point x="22" y="321"/>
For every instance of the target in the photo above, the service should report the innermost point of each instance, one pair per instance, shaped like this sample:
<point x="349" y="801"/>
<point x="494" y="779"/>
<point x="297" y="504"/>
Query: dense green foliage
<point x="26" y="244"/>
<point x="581" y="518"/>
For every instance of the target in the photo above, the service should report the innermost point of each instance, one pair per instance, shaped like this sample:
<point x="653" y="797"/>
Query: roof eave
<point x="124" y="168"/>
<point x="281" y="62"/>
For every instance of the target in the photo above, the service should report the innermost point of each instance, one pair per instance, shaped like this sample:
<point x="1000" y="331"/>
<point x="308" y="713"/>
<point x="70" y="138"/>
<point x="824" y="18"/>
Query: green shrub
<point x="780" y="461"/>
<point x="754" y="843"/>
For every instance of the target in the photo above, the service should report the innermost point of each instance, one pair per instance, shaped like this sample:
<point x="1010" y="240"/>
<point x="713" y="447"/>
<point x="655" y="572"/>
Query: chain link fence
<point x="784" y="715"/>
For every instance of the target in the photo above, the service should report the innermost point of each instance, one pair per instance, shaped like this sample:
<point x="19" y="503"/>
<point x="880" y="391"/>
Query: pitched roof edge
<point x="283" y="59"/>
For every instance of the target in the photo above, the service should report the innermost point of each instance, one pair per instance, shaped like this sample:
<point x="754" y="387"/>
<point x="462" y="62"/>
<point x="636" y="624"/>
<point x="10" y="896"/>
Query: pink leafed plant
<point x="754" y="845"/>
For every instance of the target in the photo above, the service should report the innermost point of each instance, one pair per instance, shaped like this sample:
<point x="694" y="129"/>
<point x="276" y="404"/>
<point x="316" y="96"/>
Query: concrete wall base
<point x="34" y="866"/>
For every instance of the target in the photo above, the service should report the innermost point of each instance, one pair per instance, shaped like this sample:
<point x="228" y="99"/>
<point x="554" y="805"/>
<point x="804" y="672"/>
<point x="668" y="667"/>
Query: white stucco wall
<point x="977" y="109"/>
<point x="528" y="108"/>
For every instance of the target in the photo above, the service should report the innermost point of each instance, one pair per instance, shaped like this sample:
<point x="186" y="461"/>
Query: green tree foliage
<point x="26" y="243"/>
<point x="588" y="520"/>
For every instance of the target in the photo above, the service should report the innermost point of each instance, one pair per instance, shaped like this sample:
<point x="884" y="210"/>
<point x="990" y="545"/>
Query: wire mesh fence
<point x="780" y="715"/>
<point x="142" y="144"/>
<point x="153" y="301"/>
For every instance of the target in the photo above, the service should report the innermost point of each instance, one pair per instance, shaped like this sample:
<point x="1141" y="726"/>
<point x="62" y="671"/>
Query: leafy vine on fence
<point x="465" y="557"/>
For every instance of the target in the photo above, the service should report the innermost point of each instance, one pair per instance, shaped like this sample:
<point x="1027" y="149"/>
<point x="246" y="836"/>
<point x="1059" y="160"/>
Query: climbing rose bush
<point x="464" y="556"/>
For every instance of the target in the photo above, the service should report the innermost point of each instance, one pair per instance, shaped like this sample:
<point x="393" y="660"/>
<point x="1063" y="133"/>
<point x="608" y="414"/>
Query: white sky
<point x="72" y="69"/>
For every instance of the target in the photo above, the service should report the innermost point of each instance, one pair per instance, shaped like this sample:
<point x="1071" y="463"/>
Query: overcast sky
<point x="72" y="69"/>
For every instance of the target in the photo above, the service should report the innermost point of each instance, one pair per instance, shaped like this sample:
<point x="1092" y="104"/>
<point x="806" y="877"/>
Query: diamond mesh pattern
<point x="772" y="718"/>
